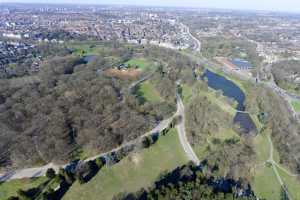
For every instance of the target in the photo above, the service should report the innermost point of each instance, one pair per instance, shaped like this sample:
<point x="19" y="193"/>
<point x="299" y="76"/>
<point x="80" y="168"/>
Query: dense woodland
<point x="205" y="121"/>
<point x="73" y="109"/>
<point x="287" y="74"/>
<point x="193" y="183"/>
<point x="285" y="130"/>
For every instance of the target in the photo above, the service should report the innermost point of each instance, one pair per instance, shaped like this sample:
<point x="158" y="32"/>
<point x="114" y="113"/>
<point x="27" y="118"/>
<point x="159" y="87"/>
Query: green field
<point x="262" y="148"/>
<point x="291" y="183"/>
<point x="147" y="91"/>
<point x="221" y="101"/>
<point x="296" y="105"/>
<point x="187" y="93"/>
<point x="135" y="171"/>
<point x="141" y="63"/>
<point x="10" y="188"/>
<point x="265" y="184"/>
<point x="85" y="49"/>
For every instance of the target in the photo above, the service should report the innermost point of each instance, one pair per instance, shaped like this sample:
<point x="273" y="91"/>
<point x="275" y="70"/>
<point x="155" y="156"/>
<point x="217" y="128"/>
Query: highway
<point x="197" y="47"/>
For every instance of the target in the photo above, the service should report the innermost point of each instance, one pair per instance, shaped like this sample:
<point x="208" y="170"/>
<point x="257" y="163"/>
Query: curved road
<point x="198" y="43"/>
<point x="182" y="133"/>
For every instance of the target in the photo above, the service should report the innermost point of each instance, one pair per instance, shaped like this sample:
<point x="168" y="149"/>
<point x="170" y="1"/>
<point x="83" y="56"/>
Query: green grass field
<point x="10" y="188"/>
<point x="133" y="172"/>
<point x="141" y="63"/>
<point x="148" y="91"/>
<point x="86" y="48"/>
<point x="296" y="105"/>
<point x="262" y="148"/>
<point x="291" y="183"/>
<point x="187" y="93"/>
<point x="265" y="184"/>
<point x="221" y="101"/>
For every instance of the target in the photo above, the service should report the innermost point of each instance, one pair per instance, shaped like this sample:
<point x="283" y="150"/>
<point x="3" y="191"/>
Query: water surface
<point x="231" y="90"/>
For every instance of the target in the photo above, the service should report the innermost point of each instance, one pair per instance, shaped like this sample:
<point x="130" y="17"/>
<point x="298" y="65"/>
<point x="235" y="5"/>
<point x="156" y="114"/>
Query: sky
<point x="274" y="5"/>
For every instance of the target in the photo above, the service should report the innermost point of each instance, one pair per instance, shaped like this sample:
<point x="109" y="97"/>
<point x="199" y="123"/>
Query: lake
<point x="231" y="90"/>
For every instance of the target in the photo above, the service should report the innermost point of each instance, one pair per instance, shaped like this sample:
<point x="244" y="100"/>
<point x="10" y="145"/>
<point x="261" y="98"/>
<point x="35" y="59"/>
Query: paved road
<point x="198" y="43"/>
<point x="182" y="133"/>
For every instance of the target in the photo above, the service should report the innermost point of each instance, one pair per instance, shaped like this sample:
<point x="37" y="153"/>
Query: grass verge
<point x="296" y="105"/>
<point x="147" y="91"/>
<point x="140" y="63"/>
<point x="133" y="172"/>
<point x="10" y="188"/>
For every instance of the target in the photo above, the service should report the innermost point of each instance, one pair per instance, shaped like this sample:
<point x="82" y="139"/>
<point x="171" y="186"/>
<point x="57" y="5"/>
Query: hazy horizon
<point x="268" y="5"/>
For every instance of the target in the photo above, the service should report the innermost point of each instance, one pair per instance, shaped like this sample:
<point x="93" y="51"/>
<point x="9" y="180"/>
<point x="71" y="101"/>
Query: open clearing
<point x="265" y="183"/>
<point x="10" y="188"/>
<point x="291" y="183"/>
<point x="147" y="91"/>
<point x="86" y="49"/>
<point x="296" y="105"/>
<point x="133" y="172"/>
<point x="140" y="63"/>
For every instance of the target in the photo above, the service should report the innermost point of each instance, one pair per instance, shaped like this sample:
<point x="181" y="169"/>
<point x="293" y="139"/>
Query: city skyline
<point x="268" y="5"/>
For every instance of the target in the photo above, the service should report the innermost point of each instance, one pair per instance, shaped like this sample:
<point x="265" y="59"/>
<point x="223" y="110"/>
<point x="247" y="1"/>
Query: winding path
<point x="41" y="171"/>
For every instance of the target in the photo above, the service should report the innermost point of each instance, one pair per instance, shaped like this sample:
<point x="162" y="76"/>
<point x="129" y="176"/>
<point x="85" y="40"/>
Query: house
<point x="123" y="67"/>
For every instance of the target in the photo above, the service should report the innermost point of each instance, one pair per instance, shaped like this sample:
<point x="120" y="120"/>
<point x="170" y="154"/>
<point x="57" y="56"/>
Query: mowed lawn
<point x="265" y="184"/>
<point x="296" y="105"/>
<point x="221" y="101"/>
<point x="291" y="183"/>
<point x="133" y="172"/>
<point x="148" y="91"/>
<point x="141" y="63"/>
<point x="10" y="188"/>
<point x="187" y="93"/>
<point x="86" y="48"/>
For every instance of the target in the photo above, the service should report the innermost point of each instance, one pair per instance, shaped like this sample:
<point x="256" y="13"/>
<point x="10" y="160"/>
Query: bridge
<point x="245" y="112"/>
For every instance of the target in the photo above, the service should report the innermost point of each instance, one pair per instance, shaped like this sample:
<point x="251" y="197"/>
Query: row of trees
<point x="191" y="182"/>
<point x="82" y="171"/>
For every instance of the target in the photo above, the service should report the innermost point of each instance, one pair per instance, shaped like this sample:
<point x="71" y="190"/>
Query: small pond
<point x="89" y="58"/>
<point x="231" y="90"/>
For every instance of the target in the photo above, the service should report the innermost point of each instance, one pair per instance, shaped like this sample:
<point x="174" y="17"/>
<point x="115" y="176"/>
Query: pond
<point x="89" y="58"/>
<point x="231" y="90"/>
